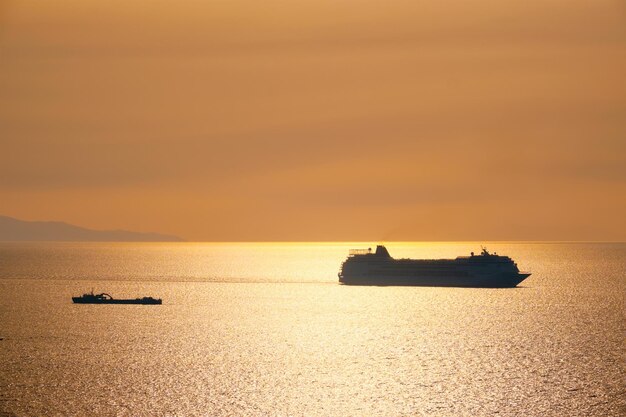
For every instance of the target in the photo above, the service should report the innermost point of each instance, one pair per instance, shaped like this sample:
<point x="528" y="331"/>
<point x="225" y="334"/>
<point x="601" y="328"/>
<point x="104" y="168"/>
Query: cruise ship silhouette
<point x="489" y="270"/>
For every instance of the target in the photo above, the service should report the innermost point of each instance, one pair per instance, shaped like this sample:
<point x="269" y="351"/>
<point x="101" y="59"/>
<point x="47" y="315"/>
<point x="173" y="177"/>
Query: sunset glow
<point x="317" y="120"/>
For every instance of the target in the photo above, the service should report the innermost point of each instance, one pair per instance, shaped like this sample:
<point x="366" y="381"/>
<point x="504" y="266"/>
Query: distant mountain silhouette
<point x="18" y="230"/>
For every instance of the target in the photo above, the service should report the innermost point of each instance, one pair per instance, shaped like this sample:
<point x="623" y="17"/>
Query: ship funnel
<point x="382" y="251"/>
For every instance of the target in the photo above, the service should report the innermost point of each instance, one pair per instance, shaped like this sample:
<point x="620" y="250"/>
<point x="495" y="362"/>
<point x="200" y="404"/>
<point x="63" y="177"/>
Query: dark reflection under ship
<point x="487" y="270"/>
<point x="104" y="298"/>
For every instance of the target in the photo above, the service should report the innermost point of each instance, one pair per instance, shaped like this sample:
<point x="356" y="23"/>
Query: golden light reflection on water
<point x="266" y="330"/>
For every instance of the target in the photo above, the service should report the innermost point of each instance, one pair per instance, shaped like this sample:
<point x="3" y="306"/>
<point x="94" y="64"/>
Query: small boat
<point x="104" y="298"/>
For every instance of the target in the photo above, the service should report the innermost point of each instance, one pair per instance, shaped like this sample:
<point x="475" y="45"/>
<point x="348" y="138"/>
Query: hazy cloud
<point x="317" y="119"/>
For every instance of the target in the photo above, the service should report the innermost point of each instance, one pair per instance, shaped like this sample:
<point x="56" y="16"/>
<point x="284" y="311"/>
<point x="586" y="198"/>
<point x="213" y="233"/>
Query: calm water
<point x="264" y="329"/>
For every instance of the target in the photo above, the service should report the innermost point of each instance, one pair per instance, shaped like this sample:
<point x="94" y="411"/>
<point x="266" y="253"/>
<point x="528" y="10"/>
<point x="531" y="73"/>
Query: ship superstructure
<point x="364" y="267"/>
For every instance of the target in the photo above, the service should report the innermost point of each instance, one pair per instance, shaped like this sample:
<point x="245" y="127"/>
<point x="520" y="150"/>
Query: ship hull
<point x="490" y="281"/>
<point x="79" y="300"/>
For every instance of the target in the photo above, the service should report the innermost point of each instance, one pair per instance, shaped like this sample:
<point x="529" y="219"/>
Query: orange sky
<point x="317" y="120"/>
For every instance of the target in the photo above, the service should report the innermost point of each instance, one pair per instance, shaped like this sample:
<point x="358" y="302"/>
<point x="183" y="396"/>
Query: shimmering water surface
<point x="265" y="329"/>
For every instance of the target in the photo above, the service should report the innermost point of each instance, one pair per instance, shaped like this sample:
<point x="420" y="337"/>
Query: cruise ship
<point x="488" y="270"/>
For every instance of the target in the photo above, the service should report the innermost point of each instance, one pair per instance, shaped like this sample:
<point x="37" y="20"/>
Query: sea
<point x="265" y="329"/>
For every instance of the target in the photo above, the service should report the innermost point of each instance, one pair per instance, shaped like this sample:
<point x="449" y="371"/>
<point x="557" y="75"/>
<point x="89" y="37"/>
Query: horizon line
<point x="313" y="241"/>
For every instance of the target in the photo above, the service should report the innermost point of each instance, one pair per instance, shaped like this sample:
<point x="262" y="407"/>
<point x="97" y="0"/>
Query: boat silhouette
<point x="487" y="270"/>
<point x="104" y="298"/>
